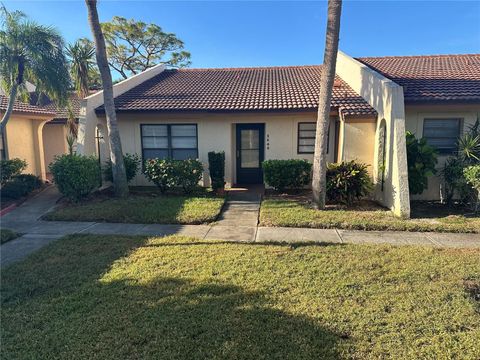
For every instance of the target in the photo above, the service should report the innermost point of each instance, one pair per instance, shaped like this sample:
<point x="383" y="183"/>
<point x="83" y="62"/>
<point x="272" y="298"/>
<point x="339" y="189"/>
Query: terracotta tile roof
<point x="432" y="78"/>
<point x="239" y="89"/>
<point x="61" y="113"/>
<point x="24" y="107"/>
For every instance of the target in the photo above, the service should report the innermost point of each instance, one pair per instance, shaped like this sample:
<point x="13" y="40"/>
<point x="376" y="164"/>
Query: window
<point x="306" y="138"/>
<point x="177" y="141"/>
<point x="442" y="133"/>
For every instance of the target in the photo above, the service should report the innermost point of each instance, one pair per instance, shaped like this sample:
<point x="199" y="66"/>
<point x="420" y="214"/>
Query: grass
<point x="7" y="235"/>
<point x="293" y="213"/>
<point x="111" y="297"/>
<point x="143" y="209"/>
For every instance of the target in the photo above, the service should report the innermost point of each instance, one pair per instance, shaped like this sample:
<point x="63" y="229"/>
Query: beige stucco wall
<point x="386" y="97"/>
<point x="24" y="141"/>
<point x="54" y="142"/>
<point x="216" y="132"/>
<point x="358" y="141"/>
<point x="415" y="115"/>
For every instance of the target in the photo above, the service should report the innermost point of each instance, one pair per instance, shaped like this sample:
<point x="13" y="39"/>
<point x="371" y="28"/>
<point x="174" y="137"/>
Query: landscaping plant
<point x="161" y="172"/>
<point x="168" y="174"/>
<point x="287" y="174"/>
<point x="132" y="164"/>
<point x="75" y="175"/>
<point x="347" y="181"/>
<point x="20" y="185"/>
<point x="216" y="166"/>
<point x="472" y="175"/>
<point x="421" y="160"/>
<point x="11" y="168"/>
<point x="187" y="174"/>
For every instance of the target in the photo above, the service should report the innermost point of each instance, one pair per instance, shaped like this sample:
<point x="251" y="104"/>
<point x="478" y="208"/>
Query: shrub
<point x="187" y="174"/>
<point x="421" y="160"/>
<point x="75" y="175"/>
<point x="287" y="174"/>
<point x="216" y="166"/>
<point x="161" y="172"/>
<point x="454" y="179"/>
<point x="132" y="163"/>
<point x="347" y="181"/>
<point x="20" y="185"/>
<point x="11" y="168"/>
<point x="472" y="175"/>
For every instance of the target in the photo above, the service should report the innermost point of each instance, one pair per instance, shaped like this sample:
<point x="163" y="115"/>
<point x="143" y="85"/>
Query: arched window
<point x="382" y="154"/>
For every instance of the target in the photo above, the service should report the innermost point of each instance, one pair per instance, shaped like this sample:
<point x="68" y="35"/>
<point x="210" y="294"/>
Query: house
<point x="23" y="136"/>
<point x="254" y="114"/>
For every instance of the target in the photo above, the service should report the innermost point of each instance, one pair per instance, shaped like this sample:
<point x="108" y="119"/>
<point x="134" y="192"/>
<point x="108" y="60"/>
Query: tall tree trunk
<point x="9" y="110"/>
<point x="116" y="155"/>
<point x="319" y="180"/>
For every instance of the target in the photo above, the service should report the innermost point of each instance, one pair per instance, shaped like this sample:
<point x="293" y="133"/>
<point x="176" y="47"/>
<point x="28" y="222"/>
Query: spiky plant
<point x="34" y="53"/>
<point x="82" y="62"/>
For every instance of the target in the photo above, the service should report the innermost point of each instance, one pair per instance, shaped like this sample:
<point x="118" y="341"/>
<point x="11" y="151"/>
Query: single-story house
<point x="36" y="132"/>
<point x="254" y="114"/>
<point x="23" y="136"/>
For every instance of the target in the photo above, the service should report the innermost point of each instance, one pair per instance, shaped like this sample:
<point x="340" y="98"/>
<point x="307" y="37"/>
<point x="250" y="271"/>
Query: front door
<point x="250" y="153"/>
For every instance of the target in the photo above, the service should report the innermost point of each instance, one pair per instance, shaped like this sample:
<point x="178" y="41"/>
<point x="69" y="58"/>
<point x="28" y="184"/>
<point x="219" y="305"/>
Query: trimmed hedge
<point x="168" y="174"/>
<point x="75" y="175"/>
<point x="11" y="168"/>
<point x="216" y="167"/>
<point x="20" y="185"/>
<point x="287" y="174"/>
<point x="347" y="181"/>
<point x="132" y="164"/>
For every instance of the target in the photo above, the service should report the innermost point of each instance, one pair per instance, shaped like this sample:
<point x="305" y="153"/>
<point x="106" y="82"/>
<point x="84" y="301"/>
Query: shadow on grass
<point x="69" y="301"/>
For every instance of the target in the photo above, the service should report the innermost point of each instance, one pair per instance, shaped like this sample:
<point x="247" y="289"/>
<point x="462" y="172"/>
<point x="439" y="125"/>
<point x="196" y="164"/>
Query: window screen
<point x="442" y="133"/>
<point x="175" y="141"/>
<point x="306" y="138"/>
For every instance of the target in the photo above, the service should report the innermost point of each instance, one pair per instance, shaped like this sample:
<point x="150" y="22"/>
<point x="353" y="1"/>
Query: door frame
<point x="249" y="126"/>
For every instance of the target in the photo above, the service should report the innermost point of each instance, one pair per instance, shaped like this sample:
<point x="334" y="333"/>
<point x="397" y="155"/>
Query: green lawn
<point x="292" y="213"/>
<point x="110" y="297"/>
<point x="144" y="210"/>
<point x="7" y="235"/>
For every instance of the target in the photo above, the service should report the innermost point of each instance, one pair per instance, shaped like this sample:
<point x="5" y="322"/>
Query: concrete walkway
<point x="237" y="223"/>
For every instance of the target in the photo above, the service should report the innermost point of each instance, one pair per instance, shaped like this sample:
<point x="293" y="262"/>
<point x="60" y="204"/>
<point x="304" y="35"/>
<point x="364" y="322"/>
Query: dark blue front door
<point x="250" y="153"/>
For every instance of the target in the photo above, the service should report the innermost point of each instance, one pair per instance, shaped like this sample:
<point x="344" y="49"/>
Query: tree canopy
<point x="83" y="67"/>
<point x="134" y="46"/>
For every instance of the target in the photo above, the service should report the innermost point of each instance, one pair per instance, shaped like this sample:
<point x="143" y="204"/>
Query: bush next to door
<point x="132" y="164"/>
<point x="11" y="168"/>
<point x="287" y="174"/>
<point x="188" y="174"/>
<point x="216" y="166"/>
<point x="75" y="175"/>
<point x="168" y="174"/>
<point x="421" y="160"/>
<point x="347" y="181"/>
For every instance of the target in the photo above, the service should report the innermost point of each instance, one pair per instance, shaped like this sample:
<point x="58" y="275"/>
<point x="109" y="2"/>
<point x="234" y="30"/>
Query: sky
<point x="270" y="33"/>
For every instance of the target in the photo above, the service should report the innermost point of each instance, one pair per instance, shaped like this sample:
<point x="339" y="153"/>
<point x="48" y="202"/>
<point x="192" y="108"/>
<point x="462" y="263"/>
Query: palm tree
<point x="81" y="55"/>
<point x="116" y="156"/>
<point x="319" y="180"/>
<point x="34" y="53"/>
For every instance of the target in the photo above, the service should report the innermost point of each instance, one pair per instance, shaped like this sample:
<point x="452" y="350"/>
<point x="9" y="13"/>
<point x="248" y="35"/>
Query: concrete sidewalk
<point x="237" y="223"/>
<point x="40" y="233"/>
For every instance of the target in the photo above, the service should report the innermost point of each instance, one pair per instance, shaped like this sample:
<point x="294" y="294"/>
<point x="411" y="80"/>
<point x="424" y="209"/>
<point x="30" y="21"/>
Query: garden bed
<point x="142" y="206"/>
<point x="118" y="297"/>
<point x="297" y="211"/>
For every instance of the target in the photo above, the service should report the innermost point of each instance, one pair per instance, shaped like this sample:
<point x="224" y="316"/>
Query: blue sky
<point x="241" y="33"/>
